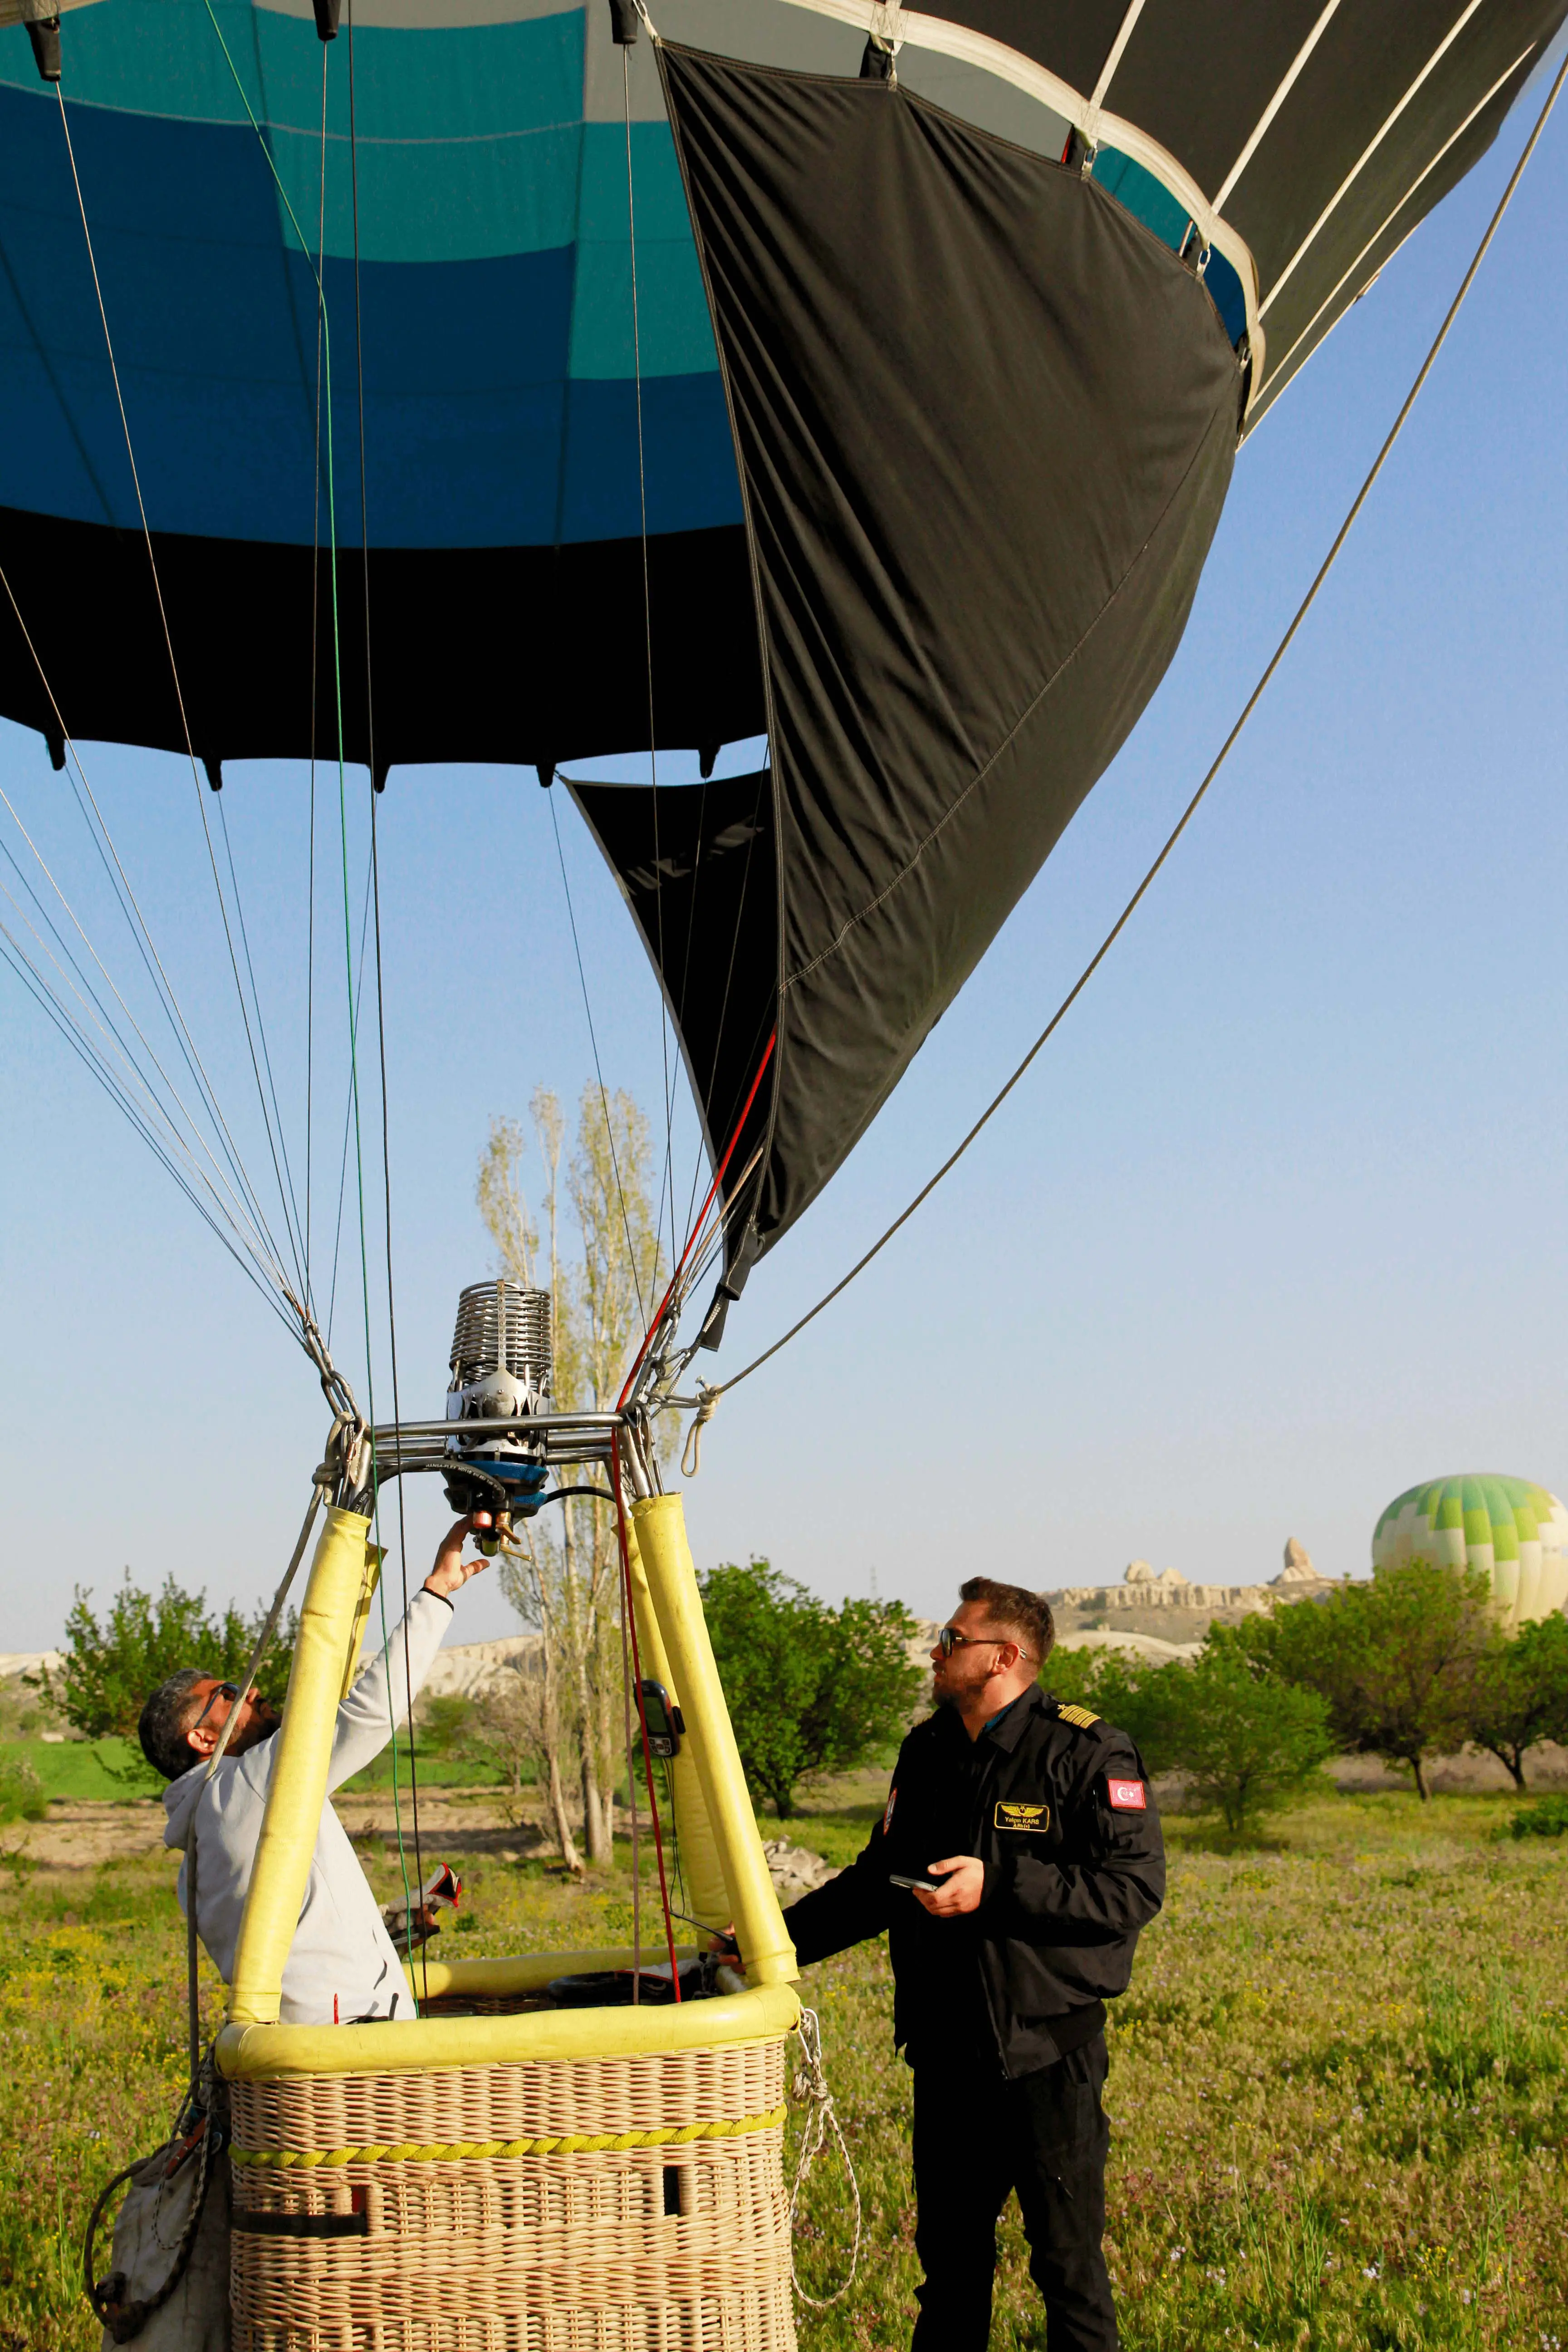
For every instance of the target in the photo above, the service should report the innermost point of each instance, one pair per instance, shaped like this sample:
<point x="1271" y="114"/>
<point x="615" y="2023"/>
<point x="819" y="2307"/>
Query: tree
<point x="1073" y="1675"/>
<point x="111" y="1667"/>
<point x="1520" y="1694"/>
<point x="810" y="1688"/>
<point x="1396" y="1658"/>
<point x="447" y="1725"/>
<point x="562" y="1573"/>
<point x="508" y="1728"/>
<point x="22" y="1797"/>
<point x="1247" y="1744"/>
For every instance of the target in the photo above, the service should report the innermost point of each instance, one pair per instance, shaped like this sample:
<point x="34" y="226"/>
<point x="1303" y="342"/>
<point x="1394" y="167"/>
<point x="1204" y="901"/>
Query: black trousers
<point x="977" y="2136"/>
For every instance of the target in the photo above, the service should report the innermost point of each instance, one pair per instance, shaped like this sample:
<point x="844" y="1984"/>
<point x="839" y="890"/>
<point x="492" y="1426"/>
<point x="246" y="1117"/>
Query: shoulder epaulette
<point x="1078" y="1714"/>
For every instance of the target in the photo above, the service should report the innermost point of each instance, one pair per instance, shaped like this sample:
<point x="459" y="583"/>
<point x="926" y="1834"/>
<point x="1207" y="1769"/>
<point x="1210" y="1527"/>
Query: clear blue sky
<point x="1272" y="1231"/>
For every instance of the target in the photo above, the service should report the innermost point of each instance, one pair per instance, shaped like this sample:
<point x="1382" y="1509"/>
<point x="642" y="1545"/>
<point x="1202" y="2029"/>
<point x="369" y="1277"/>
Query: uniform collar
<point x="1008" y="1727"/>
<point x="1004" y="1729"/>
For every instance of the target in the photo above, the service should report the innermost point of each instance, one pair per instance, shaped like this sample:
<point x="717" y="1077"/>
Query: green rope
<point x="348" y="916"/>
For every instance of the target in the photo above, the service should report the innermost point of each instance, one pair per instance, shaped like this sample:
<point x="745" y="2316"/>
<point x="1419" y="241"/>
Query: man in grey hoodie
<point x="342" y="1968"/>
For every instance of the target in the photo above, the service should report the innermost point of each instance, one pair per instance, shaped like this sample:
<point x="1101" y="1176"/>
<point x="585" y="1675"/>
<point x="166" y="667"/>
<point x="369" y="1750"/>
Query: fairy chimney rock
<point x="1298" y="1567"/>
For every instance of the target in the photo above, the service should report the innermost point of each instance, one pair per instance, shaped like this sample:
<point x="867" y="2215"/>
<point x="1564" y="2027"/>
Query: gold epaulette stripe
<point x="306" y="2159"/>
<point x="1078" y="1714"/>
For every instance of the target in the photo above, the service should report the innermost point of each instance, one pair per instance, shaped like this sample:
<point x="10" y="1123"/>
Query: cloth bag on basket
<point x="149" y="2241"/>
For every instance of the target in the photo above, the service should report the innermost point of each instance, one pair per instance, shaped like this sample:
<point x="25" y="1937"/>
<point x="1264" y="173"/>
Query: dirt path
<point x="82" y="1832"/>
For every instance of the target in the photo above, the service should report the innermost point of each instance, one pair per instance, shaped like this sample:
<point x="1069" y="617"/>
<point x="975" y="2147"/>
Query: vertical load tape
<point x="659" y="1522"/>
<point x="702" y="1876"/>
<point x="329" y="1622"/>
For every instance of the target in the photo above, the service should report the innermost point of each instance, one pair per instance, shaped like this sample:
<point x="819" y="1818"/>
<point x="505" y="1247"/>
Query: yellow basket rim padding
<point x="570" y="2036"/>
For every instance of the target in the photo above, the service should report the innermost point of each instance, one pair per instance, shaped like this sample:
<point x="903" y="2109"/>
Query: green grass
<point x="88" y="1768"/>
<point x="1339" y="2085"/>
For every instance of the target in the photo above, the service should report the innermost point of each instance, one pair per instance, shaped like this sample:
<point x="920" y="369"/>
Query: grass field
<point x="101" y="1770"/>
<point x="1339" y="2085"/>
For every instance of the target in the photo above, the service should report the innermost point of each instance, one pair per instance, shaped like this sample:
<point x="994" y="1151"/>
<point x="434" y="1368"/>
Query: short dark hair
<point x="1027" y="1616"/>
<point x="166" y="1718"/>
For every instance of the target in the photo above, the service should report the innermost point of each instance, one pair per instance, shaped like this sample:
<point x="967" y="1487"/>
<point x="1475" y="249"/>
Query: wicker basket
<point x="609" y="2205"/>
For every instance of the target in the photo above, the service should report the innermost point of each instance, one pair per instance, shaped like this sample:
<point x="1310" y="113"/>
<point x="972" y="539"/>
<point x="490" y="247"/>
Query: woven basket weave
<point x="676" y="2240"/>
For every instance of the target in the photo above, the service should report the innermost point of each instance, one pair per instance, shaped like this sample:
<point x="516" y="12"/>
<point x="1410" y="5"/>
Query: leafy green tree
<point x="1247" y="1744"/>
<point x="1396" y="1658"/>
<point x="810" y="1688"/>
<point x="22" y="1797"/>
<point x="1073" y="1675"/>
<point x="448" y="1726"/>
<point x="1520" y="1694"/>
<point x="111" y="1665"/>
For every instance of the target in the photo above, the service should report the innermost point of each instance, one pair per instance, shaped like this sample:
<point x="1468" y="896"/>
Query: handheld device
<point x="663" y="1721"/>
<point x="922" y="1885"/>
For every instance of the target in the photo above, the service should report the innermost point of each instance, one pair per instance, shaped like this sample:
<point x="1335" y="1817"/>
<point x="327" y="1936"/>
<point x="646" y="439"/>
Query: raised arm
<point x="390" y="1684"/>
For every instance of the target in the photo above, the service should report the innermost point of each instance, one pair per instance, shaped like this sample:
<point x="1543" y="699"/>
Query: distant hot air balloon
<point x="1513" y="1531"/>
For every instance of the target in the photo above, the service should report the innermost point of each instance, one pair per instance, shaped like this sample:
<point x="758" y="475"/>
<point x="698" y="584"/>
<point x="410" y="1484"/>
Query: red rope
<point x="642" y="1710"/>
<point x="697" y="1226"/>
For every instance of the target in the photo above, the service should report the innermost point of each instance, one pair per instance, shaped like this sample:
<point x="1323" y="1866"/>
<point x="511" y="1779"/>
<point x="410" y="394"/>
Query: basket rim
<point x="535" y="2037"/>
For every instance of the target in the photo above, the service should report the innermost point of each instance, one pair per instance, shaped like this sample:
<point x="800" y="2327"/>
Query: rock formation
<point x="1169" y="1609"/>
<point x="794" y="1869"/>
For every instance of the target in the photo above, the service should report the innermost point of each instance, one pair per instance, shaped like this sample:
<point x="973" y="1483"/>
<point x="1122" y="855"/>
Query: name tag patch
<point x="1128" y="1796"/>
<point x="1022" y="1817"/>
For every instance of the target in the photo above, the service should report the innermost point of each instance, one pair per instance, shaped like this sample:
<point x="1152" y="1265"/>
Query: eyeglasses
<point x="229" y="1691"/>
<point x="951" y="1639"/>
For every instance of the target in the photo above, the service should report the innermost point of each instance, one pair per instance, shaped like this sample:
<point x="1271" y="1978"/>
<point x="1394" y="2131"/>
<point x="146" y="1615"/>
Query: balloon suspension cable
<point x="325" y="1478"/>
<point x="151" y="1117"/>
<point x="598" y="1068"/>
<point x="631" y="1621"/>
<point x="1253" y="700"/>
<point x="666" y="1181"/>
<point x="662" y="1313"/>
<point x="273" y="1141"/>
<point x="381" y="1048"/>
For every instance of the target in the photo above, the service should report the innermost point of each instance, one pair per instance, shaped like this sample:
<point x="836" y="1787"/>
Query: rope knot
<point x="707" y="1405"/>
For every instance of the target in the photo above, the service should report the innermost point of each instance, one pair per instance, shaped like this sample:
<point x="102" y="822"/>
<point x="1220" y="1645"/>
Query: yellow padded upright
<point x="700" y="1868"/>
<point x="299" y="1789"/>
<point x="660" y="1524"/>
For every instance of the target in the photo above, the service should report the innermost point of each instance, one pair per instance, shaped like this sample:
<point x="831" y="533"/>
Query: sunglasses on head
<point x="229" y="1691"/>
<point x="951" y="1639"/>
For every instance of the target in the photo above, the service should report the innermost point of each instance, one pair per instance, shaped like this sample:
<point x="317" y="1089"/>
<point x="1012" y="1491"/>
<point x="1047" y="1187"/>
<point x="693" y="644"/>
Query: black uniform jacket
<point x="1058" y="1806"/>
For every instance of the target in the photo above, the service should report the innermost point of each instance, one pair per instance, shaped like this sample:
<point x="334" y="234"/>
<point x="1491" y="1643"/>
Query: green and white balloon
<point x="1512" y="1530"/>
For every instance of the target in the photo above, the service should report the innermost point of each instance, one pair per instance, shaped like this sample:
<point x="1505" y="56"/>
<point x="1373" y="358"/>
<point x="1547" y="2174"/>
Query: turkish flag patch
<point x="1126" y="1796"/>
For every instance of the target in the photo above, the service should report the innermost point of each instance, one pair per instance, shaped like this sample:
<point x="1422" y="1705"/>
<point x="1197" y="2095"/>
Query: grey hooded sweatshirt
<point x="342" y="1965"/>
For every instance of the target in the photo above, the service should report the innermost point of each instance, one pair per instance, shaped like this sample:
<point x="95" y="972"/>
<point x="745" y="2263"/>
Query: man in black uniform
<point x="1034" y="1830"/>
